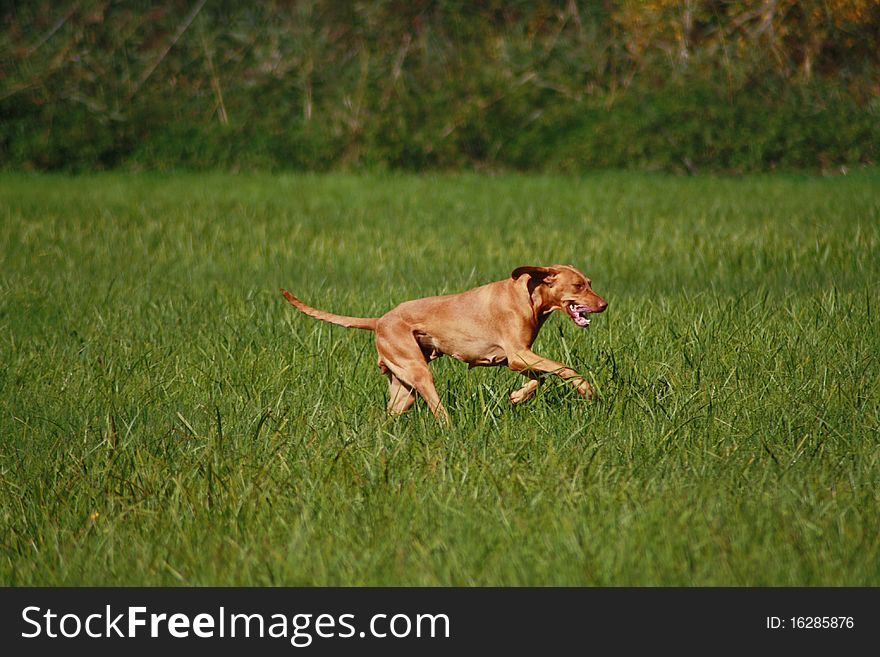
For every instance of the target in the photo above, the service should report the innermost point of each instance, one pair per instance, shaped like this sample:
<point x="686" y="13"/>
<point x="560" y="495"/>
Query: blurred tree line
<point x="572" y="85"/>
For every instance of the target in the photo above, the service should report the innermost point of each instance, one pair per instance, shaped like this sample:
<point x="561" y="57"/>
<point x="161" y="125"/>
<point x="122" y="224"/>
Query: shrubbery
<point x="739" y="85"/>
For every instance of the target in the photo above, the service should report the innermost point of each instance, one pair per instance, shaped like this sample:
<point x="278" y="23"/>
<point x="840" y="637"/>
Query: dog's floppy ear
<point x="537" y="273"/>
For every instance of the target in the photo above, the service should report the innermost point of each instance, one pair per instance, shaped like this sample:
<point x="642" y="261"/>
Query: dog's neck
<point x="541" y="302"/>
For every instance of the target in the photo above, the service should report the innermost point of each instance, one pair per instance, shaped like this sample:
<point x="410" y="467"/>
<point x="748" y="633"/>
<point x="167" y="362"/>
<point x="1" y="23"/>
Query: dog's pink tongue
<point x="575" y="312"/>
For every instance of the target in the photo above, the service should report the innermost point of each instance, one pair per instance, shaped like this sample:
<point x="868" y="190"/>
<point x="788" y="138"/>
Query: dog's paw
<point x="525" y="393"/>
<point x="585" y="389"/>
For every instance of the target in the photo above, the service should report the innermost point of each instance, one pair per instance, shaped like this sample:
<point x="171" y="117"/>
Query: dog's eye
<point x="578" y="286"/>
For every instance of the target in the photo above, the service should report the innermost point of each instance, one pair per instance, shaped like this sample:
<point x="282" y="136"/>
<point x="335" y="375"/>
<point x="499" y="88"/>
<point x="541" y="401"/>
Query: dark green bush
<point x="418" y="85"/>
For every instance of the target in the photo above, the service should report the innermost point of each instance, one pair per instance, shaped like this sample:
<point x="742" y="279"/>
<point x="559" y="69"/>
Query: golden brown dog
<point x="494" y="324"/>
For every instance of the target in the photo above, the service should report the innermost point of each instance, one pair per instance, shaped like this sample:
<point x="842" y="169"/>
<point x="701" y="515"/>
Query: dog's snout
<point x="601" y="306"/>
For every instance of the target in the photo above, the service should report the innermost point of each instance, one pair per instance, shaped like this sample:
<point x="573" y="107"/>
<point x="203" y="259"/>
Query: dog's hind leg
<point x="400" y="396"/>
<point x="401" y="354"/>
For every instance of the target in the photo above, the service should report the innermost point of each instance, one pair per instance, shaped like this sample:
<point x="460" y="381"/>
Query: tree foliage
<point x="681" y="84"/>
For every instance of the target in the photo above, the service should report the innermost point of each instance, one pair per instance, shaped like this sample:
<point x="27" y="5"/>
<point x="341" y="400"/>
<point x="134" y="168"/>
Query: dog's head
<point x="562" y="287"/>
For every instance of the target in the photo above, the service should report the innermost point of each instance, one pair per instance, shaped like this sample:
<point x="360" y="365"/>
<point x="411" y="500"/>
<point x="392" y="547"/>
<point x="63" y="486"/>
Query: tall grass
<point x="167" y="418"/>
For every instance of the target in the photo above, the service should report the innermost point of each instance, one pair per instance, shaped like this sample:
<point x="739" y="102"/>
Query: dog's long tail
<point x="366" y="323"/>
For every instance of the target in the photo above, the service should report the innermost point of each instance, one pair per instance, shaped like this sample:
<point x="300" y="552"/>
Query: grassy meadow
<point x="167" y="418"/>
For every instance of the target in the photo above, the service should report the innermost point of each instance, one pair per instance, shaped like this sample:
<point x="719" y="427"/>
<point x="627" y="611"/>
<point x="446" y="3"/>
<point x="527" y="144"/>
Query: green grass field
<point x="167" y="418"/>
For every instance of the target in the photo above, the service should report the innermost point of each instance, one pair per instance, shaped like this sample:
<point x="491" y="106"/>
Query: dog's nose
<point x="602" y="305"/>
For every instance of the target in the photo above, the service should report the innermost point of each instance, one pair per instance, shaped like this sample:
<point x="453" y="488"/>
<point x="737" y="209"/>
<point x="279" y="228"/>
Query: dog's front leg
<point x="525" y="393"/>
<point x="528" y="362"/>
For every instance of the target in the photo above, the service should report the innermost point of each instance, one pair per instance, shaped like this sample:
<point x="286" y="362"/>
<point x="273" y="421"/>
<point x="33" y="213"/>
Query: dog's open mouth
<point x="579" y="314"/>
